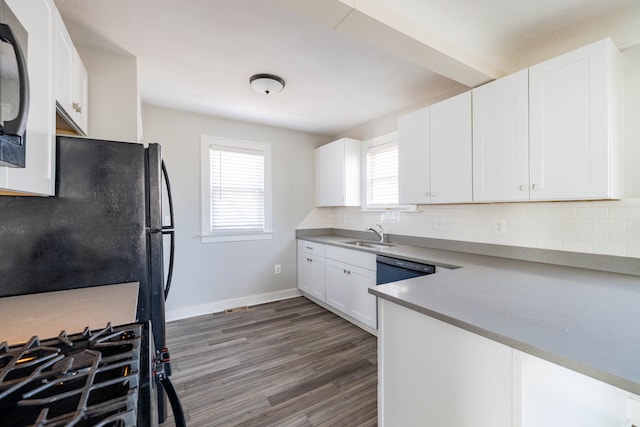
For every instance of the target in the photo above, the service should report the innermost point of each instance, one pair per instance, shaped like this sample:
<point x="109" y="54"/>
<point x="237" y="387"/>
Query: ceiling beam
<point x="376" y="23"/>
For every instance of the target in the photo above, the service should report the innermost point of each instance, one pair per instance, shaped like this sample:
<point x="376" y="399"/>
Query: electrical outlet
<point x="277" y="269"/>
<point x="500" y="226"/>
<point x="438" y="224"/>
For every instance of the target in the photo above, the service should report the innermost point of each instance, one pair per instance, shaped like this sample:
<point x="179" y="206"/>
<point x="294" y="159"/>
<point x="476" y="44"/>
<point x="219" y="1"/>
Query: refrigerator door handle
<point x="169" y="229"/>
<point x="172" y="250"/>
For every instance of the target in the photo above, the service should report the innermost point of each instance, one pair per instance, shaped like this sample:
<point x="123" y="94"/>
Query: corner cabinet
<point x="38" y="175"/>
<point x="434" y="153"/>
<point x="338" y="173"/>
<point x="71" y="81"/>
<point x="311" y="269"/>
<point x="349" y="274"/>
<point x="574" y="107"/>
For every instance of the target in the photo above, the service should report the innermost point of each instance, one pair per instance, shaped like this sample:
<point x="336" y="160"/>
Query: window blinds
<point x="237" y="190"/>
<point x="382" y="176"/>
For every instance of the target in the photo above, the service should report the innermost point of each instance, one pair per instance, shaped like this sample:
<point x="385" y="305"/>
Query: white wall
<point x="611" y="227"/>
<point x="216" y="276"/>
<point x="114" y="101"/>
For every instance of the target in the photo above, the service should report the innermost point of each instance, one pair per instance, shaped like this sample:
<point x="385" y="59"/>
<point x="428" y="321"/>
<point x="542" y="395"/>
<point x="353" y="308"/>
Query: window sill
<point x="219" y="238"/>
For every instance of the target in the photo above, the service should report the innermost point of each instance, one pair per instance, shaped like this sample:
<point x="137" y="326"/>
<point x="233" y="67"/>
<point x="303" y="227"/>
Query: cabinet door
<point x="571" y="101"/>
<point x="554" y="396"/>
<point x="414" y="178"/>
<point x="71" y="80"/>
<point x="330" y="163"/>
<point x="305" y="273"/>
<point x="362" y="303"/>
<point x="311" y="275"/>
<point x="435" y="374"/>
<point x="501" y="139"/>
<point x="65" y="52"/>
<point x="337" y="285"/>
<point x="317" y="278"/>
<point x="38" y="175"/>
<point x="81" y="93"/>
<point x="450" y="139"/>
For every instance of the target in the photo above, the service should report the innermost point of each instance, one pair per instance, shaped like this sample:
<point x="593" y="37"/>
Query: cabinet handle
<point x="534" y="187"/>
<point x="522" y="187"/>
<point x="348" y="272"/>
<point x="309" y="247"/>
<point x="434" y="194"/>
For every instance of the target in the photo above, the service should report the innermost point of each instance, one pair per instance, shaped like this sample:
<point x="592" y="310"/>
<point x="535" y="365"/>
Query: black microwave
<point x="14" y="89"/>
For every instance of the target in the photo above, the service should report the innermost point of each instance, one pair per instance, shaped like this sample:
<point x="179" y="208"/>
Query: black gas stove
<point x="94" y="378"/>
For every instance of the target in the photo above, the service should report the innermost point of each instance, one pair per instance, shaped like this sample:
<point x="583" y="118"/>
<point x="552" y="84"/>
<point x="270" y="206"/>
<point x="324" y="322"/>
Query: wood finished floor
<point x="287" y="363"/>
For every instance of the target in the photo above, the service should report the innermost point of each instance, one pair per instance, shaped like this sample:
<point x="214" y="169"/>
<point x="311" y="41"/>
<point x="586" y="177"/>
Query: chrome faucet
<point x="380" y="234"/>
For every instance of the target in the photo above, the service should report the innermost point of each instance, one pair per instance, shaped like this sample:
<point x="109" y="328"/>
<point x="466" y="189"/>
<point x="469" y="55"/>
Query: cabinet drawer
<point x="311" y="247"/>
<point x="349" y="256"/>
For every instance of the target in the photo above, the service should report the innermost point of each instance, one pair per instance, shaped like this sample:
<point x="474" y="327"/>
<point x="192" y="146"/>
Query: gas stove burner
<point x="86" y="379"/>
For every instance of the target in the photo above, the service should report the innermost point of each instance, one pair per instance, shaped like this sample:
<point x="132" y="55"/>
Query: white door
<point x="450" y="139"/>
<point x="414" y="158"/>
<point x="337" y="285"/>
<point x="501" y="139"/>
<point x="571" y="124"/>
<point x="363" y="304"/>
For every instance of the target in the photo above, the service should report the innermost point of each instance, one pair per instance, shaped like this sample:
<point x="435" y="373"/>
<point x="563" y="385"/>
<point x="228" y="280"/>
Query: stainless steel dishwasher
<point x="393" y="269"/>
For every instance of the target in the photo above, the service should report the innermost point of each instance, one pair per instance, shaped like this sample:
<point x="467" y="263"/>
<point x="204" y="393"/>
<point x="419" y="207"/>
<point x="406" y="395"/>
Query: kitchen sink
<point x="370" y="244"/>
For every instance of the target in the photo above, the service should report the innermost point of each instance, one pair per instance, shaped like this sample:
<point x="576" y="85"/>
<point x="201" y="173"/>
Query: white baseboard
<point x="219" y="306"/>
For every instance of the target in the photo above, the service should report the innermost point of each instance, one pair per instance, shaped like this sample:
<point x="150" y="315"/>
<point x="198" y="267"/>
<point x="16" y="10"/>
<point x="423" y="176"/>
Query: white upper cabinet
<point x="338" y="173"/>
<point x="414" y="176"/>
<point x="434" y="153"/>
<point x="550" y="132"/>
<point x="451" y="180"/>
<point x="573" y="110"/>
<point x="71" y="81"/>
<point x="501" y="139"/>
<point x="38" y="175"/>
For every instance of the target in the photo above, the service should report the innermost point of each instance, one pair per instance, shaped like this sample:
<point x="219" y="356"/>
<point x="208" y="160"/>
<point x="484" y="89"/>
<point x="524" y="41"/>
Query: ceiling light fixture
<point x="266" y="83"/>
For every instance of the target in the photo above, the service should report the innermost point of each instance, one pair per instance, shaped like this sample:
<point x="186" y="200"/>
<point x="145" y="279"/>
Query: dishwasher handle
<point x="407" y="265"/>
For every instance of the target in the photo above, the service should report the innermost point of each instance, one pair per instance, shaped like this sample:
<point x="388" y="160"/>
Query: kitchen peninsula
<point x="538" y="341"/>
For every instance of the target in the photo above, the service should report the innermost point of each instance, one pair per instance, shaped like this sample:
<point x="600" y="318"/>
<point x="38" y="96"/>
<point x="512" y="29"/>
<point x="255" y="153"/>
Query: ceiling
<point x="345" y="62"/>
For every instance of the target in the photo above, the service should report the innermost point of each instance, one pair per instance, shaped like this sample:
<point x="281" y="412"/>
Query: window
<point x="236" y="190"/>
<point x="381" y="174"/>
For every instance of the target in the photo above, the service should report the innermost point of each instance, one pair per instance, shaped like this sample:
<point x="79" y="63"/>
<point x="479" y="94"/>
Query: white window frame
<point x="207" y="236"/>
<point x="389" y="138"/>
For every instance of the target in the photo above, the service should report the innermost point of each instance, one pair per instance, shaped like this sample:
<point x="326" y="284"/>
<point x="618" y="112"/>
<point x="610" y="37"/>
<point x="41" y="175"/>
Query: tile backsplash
<point x="598" y="227"/>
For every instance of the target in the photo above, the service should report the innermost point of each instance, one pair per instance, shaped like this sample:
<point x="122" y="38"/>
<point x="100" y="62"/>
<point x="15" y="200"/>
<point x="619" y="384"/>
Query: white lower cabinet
<point x="311" y="269"/>
<point x="363" y="304"/>
<point x="431" y="373"/>
<point x="337" y="281"/>
<point x="341" y="278"/>
<point x="434" y="374"/>
<point x="349" y="275"/>
<point x="554" y="396"/>
<point x="348" y="291"/>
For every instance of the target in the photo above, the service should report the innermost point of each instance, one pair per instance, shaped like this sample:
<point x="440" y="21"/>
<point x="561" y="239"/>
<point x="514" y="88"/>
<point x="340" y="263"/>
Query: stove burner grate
<point x="87" y="379"/>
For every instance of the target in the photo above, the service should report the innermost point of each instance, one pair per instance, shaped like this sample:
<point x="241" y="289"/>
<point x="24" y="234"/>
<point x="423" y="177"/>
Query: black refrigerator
<point x="103" y="226"/>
